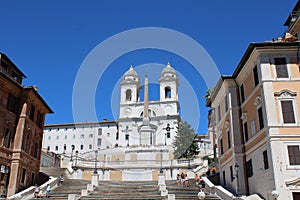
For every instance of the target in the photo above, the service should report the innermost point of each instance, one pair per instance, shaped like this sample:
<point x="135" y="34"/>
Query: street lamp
<point x="236" y="167"/>
<point x="96" y="153"/>
<point x="72" y="147"/>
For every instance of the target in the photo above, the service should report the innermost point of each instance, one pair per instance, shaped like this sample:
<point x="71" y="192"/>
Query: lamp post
<point x="72" y="147"/>
<point x="96" y="153"/>
<point x="236" y="167"/>
<point x="161" y="157"/>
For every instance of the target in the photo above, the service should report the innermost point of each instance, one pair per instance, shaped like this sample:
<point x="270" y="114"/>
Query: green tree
<point x="184" y="144"/>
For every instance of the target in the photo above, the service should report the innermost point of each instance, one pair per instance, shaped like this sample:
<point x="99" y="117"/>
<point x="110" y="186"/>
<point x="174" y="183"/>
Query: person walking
<point x="48" y="189"/>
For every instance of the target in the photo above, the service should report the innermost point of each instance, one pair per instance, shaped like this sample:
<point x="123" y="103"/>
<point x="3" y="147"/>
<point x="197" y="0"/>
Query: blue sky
<point x="49" y="41"/>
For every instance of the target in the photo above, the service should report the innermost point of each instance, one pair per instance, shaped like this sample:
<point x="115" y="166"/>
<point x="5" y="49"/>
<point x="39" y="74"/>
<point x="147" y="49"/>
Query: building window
<point x="81" y="147"/>
<point x="90" y="135"/>
<point x="224" y="178"/>
<point x="99" y="131"/>
<point x="281" y="67"/>
<point x="99" y="142"/>
<point x="57" y="137"/>
<point x="228" y="139"/>
<point x="255" y="76"/>
<point x="108" y="134"/>
<point x="287" y="112"/>
<point x="231" y="173"/>
<point x="245" y="129"/>
<point x="32" y="111"/>
<point x="294" y="154"/>
<point x="219" y="113"/>
<point x="74" y="136"/>
<point x="242" y="93"/>
<point x="167" y="92"/>
<point x="23" y="175"/>
<point x="90" y="146"/>
<point x="128" y="95"/>
<point x="48" y="148"/>
<point x="39" y="119"/>
<point x="266" y="161"/>
<point x="65" y="147"/>
<point x="249" y="168"/>
<point x="260" y="118"/>
<point x="7" y="138"/>
<point x="13" y="104"/>
<point x="226" y="103"/>
<point x="27" y="142"/>
<point x="66" y="137"/>
<point x="32" y="178"/>
<point x="56" y="148"/>
<point x="82" y="136"/>
<point x="221" y="146"/>
<point x="35" y="150"/>
<point x="49" y="137"/>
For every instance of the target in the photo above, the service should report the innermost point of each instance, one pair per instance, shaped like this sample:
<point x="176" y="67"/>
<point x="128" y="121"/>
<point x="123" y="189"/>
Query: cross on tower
<point x="126" y="130"/>
<point x="167" y="134"/>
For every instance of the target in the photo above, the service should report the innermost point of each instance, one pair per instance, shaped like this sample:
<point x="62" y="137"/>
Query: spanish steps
<point x="116" y="190"/>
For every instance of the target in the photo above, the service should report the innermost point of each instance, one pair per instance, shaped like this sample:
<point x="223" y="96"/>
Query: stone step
<point x="128" y="190"/>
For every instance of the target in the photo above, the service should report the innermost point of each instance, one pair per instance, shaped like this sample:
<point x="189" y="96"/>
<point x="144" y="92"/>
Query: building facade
<point x="257" y="119"/>
<point x="22" y="115"/>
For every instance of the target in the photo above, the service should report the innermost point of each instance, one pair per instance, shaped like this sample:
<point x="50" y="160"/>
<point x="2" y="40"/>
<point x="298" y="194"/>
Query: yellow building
<point x="257" y="119"/>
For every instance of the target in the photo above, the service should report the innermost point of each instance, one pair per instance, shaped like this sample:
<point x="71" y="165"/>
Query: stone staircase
<point x="53" y="171"/>
<point x="116" y="190"/>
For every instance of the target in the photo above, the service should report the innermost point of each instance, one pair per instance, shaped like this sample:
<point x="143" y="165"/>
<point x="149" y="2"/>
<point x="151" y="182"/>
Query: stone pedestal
<point x="162" y="187"/>
<point x="90" y="187"/>
<point x="171" y="196"/>
<point x="161" y="180"/>
<point x="72" y="197"/>
<point x="164" y="193"/>
<point x="84" y="193"/>
<point x="95" y="180"/>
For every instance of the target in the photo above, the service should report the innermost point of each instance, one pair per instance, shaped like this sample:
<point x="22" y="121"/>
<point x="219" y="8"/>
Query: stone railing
<point x="223" y="193"/>
<point x="29" y="192"/>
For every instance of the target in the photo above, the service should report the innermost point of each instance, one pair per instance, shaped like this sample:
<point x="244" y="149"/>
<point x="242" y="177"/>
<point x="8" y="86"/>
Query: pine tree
<point x="184" y="144"/>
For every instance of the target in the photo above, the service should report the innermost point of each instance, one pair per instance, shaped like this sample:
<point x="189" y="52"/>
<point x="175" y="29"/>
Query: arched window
<point x="128" y="95"/>
<point x="167" y="92"/>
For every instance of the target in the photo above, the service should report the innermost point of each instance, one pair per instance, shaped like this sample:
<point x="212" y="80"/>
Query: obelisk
<point x="146" y="93"/>
<point x="146" y="132"/>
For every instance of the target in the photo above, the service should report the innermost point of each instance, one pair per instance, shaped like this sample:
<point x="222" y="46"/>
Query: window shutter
<point x="287" y="112"/>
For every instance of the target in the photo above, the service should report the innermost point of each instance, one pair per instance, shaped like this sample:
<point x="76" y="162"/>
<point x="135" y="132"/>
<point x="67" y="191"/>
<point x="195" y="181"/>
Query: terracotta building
<point x="257" y="119"/>
<point x="22" y="115"/>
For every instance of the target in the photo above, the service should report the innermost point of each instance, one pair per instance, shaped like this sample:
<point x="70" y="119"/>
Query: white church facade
<point x="137" y="146"/>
